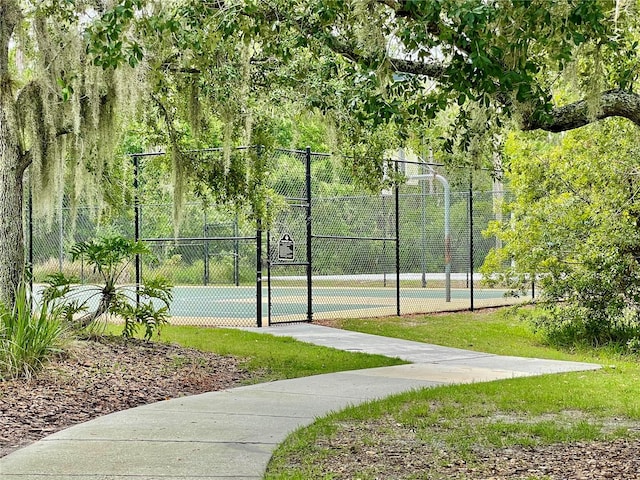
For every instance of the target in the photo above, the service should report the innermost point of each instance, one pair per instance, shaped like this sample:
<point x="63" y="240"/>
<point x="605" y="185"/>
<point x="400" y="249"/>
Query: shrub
<point x="573" y="226"/>
<point x="110" y="257"/>
<point x="28" y="337"/>
<point x="566" y="325"/>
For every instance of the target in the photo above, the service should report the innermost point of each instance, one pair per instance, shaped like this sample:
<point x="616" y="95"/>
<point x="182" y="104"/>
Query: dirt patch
<point x="382" y="449"/>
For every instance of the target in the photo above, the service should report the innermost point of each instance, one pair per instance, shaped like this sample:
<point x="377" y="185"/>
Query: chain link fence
<point x="413" y="249"/>
<point x="53" y="239"/>
<point x="331" y="250"/>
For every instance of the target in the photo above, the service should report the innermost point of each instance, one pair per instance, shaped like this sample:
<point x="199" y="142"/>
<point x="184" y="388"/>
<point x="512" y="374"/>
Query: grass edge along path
<point x="450" y="425"/>
<point x="270" y="357"/>
<point x="497" y="331"/>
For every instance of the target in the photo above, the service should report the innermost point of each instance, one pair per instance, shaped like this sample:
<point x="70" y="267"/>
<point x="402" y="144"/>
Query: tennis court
<point x="238" y="305"/>
<point x="285" y="299"/>
<point x="327" y="228"/>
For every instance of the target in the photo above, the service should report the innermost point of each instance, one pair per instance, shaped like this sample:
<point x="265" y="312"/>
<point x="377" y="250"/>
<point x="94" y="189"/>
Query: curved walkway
<point x="231" y="434"/>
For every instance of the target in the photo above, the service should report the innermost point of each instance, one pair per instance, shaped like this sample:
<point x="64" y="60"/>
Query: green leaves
<point x="574" y="227"/>
<point x="110" y="257"/>
<point x="108" y="38"/>
<point x="28" y="335"/>
<point x="66" y="88"/>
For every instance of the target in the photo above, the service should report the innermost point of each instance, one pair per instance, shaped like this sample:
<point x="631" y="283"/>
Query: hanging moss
<point x="71" y="112"/>
<point x="195" y="107"/>
<point x="371" y="39"/>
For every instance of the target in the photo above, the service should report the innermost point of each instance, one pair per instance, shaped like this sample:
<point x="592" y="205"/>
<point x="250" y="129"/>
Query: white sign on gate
<point x="286" y="248"/>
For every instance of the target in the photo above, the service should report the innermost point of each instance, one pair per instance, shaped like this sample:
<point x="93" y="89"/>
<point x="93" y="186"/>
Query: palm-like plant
<point x="109" y="257"/>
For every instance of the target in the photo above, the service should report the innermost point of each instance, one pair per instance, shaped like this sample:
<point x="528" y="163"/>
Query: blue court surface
<point x="237" y="305"/>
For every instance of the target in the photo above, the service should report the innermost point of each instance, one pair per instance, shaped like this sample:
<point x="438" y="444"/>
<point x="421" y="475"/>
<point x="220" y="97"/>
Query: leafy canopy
<point x="380" y="71"/>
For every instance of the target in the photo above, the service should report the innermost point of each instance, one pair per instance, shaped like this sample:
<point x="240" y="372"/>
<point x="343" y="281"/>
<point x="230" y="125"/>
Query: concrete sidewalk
<point x="231" y="434"/>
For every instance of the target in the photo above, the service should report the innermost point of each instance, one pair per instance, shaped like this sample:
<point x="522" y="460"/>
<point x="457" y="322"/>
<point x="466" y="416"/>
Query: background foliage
<point x="573" y="226"/>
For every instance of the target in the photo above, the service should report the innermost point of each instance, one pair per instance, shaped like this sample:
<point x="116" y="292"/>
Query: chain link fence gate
<point x="289" y="257"/>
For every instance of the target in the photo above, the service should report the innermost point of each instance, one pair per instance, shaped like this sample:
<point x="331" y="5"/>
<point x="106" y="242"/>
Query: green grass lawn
<point x="496" y="331"/>
<point x="457" y="422"/>
<point x="269" y="357"/>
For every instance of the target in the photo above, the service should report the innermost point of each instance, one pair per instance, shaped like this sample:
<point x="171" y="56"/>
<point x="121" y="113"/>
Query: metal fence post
<point x="136" y="228"/>
<point x="397" y="212"/>
<point x="259" y="262"/>
<point x="471" y="293"/>
<point x="533" y="288"/>
<point x="236" y="252"/>
<point x="259" y="273"/>
<point x="309" y="233"/>
<point x="30" y="233"/>
<point x="205" y="232"/>
<point x="61" y="234"/>
<point x="269" y="289"/>
<point x="423" y="230"/>
<point x="385" y="221"/>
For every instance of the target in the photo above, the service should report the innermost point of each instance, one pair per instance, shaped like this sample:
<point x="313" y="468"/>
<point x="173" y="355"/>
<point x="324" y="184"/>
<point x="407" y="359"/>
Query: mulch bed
<point x="382" y="449"/>
<point x="105" y="375"/>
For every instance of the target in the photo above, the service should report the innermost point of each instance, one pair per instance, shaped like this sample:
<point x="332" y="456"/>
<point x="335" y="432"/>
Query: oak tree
<point x="58" y="112"/>
<point x="377" y="68"/>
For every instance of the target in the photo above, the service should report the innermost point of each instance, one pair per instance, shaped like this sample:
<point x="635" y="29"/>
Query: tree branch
<point x="613" y="103"/>
<point x="434" y="70"/>
<point x="24" y="162"/>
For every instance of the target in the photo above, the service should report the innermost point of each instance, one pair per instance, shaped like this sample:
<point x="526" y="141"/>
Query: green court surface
<point x="228" y="305"/>
<point x="231" y="304"/>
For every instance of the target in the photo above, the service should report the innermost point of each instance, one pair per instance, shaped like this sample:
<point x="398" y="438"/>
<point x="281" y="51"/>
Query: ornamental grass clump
<point x="28" y="336"/>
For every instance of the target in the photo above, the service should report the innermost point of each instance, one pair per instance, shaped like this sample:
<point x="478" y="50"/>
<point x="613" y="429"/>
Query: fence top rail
<point x="414" y="162"/>
<point x="293" y="150"/>
<point x="214" y="149"/>
<point x="193" y="239"/>
<point x="220" y="149"/>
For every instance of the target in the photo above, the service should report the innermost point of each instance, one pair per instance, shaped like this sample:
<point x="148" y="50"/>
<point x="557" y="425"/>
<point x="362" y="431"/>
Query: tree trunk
<point x="12" y="165"/>
<point x="11" y="235"/>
